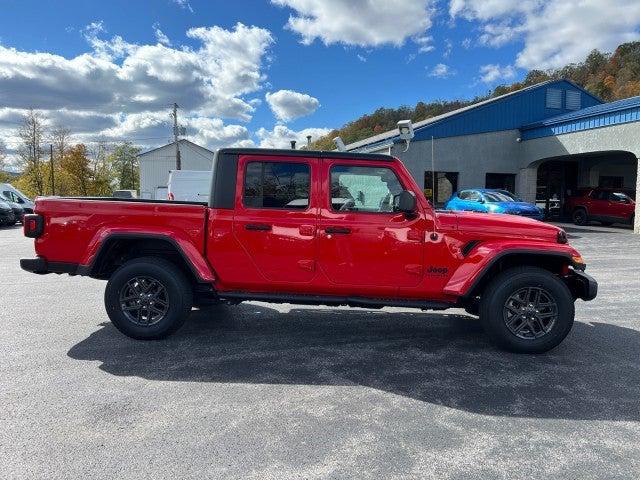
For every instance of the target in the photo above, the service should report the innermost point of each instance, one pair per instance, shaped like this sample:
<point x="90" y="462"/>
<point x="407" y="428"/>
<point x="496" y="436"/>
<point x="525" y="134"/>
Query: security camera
<point x="406" y="129"/>
<point x="340" y="144"/>
<point x="406" y="132"/>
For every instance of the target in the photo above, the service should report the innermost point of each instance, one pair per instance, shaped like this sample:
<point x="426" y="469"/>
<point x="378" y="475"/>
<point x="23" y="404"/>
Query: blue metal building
<point x="542" y="142"/>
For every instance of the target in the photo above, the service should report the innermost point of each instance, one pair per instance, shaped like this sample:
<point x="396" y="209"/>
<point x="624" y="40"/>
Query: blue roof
<point x="597" y="116"/>
<point x="506" y="112"/>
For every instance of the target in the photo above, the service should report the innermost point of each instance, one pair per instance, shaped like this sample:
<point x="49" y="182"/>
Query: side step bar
<point x="363" y="302"/>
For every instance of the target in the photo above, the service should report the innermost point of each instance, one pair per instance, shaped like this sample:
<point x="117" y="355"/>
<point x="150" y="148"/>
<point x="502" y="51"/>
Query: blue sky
<point x="110" y="69"/>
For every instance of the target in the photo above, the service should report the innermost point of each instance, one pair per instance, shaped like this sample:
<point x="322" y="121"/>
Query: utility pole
<point x="53" y="183"/>
<point x="175" y="136"/>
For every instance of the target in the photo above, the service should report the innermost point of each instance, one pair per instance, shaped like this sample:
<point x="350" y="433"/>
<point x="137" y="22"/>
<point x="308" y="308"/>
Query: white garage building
<point x="156" y="164"/>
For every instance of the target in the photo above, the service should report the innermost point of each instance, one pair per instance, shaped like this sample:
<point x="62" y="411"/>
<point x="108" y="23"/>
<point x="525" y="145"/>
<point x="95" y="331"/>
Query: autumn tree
<point x="103" y="179"/>
<point x="75" y="165"/>
<point x="4" y="176"/>
<point x="32" y="134"/>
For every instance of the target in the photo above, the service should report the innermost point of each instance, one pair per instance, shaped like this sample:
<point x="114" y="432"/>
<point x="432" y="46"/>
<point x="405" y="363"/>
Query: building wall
<point x="155" y="165"/>
<point x="472" y="156"/>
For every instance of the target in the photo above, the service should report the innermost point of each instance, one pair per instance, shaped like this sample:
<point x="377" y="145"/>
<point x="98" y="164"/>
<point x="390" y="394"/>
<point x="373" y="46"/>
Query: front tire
<point x="527" y="310"/>
<point x="580" y="216"/>
<point x="148" y="298"/>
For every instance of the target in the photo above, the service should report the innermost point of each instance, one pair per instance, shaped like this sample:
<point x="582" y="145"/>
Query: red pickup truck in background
<point x="329" y="228"/>
<point x="604" y="205"/>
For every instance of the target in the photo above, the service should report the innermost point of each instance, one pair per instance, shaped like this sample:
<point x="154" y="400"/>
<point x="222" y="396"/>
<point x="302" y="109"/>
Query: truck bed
<point x="75" y="227"/>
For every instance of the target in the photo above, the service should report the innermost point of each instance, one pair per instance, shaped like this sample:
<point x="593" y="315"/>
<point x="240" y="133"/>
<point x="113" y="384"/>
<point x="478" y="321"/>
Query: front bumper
<point x="582" y="285"/>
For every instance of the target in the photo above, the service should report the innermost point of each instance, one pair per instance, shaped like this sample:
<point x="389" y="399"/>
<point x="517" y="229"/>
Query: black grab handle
<point x="339" y="230"/>
<point x="258" y="226"/>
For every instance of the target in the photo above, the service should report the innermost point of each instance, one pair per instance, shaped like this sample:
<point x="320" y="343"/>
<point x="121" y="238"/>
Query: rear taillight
<point x="33" y="225"/>
<point x="171" y="196"/>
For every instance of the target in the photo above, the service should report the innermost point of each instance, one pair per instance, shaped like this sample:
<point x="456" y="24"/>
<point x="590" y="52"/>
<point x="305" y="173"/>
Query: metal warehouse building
<point x="541" y="142"/>
<point x="156" y="164"/>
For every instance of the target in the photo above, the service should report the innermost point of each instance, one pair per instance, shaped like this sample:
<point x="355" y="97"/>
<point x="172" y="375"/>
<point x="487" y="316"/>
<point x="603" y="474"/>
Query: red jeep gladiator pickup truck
<point x="321" y="228"/>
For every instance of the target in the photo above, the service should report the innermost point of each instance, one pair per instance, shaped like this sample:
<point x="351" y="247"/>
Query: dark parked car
<point x="18" y="211"/>
<point x="604" y="205"/>
<point x="7" y="217"/>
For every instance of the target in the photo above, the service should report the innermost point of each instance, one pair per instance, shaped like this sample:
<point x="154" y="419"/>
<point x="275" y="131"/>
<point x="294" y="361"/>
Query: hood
<point x="4" y="206"/>
<point x="491" y="225"/>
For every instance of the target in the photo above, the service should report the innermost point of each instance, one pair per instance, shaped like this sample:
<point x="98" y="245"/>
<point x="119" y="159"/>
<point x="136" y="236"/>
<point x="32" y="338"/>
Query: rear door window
<point x="277" y="185"/>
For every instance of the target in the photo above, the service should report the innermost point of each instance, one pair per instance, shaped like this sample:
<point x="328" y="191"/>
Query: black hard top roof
<point x="307" y="153"/>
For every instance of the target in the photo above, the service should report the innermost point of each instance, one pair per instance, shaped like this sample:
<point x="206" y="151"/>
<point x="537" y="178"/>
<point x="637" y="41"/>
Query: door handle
<point x="258" y="226"/>
<point x="338" y="230"/>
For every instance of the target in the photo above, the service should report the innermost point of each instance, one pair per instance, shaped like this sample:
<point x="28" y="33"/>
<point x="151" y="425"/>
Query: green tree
<point x="124" y="166"/>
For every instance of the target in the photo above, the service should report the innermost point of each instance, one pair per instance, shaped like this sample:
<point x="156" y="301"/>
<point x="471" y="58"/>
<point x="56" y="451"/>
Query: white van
<point x="14" y="195"/>
<point x="189" y="185"/>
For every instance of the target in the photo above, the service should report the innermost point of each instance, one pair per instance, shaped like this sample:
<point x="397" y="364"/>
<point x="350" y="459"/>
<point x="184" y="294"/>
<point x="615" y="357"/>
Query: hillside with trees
<point x="610" y="76"/>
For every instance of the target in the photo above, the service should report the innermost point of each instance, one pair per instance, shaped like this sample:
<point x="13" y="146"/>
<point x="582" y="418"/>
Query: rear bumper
<point x="41" y="266"/>
<point x="582" y="285"/>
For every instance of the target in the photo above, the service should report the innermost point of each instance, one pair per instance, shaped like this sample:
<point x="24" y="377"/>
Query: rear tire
<point x="148" y="298"/>
<point x="580" y="216"/>
<point x="527" y="310"/>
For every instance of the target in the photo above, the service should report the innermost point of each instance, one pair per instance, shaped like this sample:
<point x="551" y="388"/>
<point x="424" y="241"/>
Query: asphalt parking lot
<point x="260" y="391"/>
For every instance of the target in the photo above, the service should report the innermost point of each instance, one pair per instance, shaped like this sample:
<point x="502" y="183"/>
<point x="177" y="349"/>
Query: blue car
<point x="492" y="201"/>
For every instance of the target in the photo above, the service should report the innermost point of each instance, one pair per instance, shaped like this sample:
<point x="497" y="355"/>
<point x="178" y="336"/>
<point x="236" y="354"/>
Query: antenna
<point x="434" y="235"/>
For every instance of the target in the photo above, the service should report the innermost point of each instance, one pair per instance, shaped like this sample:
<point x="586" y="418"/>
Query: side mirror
<point x="481" y="200"/>
<point x="406" y="202"/>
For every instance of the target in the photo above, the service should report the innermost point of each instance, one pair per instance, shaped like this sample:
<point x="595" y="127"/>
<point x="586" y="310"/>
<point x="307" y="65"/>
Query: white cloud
<point x="288" y="105"/>
<point x="466" y="43"/>
<point x="184" y="4"/>
<point x="494" y="72"/>
<point x="160" y="35"/>
<point x="448" y="47"/>
<point x="498" y="34"/>
<point x="281" y="136"/>
<point x="363" y="23"/>
<point x="425" y="43"/>
<point x="487" y="9"/>
<point x="554" y="32"/>
<point x="122" y="90"/>
<point x="441" y="71"/>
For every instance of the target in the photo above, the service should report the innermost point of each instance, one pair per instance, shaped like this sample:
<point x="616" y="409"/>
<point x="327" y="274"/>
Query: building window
<point x="446" y="183"/>
<point x="277" y="185"/>
<point x="554" y="98"/>
<point x="573" y="100"/>
<point x="610" y="181"/>
<point x="501" y="181"/>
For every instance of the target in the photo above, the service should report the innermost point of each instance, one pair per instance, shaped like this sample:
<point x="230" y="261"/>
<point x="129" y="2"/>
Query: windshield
<point x="498" y="197"/>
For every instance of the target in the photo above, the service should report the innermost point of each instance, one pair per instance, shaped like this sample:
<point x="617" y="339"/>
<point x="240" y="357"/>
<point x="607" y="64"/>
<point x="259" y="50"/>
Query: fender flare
<point x="202" y="272"/>
<point x="464" y="289"/>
